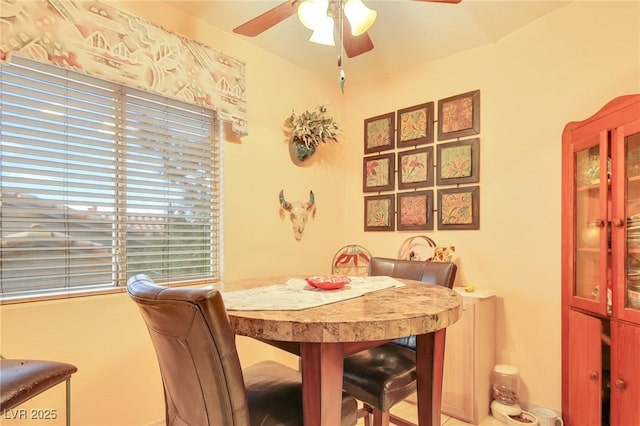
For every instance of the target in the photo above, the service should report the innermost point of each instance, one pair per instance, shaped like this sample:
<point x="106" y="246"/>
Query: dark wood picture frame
<point x="415" y="125"/>
<point x="378" y="173"/>
<point x="415" y="210"/>
<point x="379" y="133"/>
<point x="459" y="208"/>
<point x="458" y="162"/>
<point x="459" y="115"/>
<point x="379" y="211"/>
<point x="415" y="168"/>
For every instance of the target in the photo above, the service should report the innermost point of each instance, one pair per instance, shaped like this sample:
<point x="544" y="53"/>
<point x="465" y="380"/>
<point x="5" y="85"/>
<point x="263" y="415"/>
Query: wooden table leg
<point x="322" y="368"/>
<point x="429" y="369"/>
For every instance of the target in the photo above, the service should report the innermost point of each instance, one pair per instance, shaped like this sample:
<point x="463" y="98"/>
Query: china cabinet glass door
<point x="592" y="167"/>
<point x="629" y="284"/>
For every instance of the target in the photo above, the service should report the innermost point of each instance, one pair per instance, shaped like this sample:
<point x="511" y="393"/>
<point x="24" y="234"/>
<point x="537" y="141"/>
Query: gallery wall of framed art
<point x="413" y="181"/>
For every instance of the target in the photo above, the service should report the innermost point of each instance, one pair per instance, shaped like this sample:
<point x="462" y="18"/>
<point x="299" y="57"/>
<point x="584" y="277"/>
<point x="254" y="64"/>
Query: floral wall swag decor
<point x="310" y="129"/>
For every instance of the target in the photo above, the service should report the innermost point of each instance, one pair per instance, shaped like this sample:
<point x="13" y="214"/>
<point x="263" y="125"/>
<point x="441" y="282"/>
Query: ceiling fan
<point x="354" y="45"/>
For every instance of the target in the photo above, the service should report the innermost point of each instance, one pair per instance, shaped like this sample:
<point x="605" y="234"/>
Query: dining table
<point x="332" y="327"/>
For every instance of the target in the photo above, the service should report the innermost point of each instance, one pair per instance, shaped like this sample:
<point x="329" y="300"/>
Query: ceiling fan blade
<point x="355" y="45"/>
<point x="267" y="20"/>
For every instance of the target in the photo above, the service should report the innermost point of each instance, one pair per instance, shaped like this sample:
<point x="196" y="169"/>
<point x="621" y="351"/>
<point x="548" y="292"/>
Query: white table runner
<point x="296" y="294"/>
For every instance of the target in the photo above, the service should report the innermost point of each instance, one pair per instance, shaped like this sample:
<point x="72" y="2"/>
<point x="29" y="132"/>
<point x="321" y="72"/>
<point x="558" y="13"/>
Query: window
<point x="99" y="182"/>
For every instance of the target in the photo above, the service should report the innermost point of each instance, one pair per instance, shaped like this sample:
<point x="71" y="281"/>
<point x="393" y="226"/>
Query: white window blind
<point x="99" y="182"/>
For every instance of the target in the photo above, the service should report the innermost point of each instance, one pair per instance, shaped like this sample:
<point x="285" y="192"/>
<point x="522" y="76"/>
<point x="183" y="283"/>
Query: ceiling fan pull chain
<point x="341" y="55"/>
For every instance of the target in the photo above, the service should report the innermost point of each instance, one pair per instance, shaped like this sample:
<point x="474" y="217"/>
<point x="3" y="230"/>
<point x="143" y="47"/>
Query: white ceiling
<point x="405" y="33"/>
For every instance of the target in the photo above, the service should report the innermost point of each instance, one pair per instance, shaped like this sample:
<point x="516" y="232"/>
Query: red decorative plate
<point x="328" y="282"/>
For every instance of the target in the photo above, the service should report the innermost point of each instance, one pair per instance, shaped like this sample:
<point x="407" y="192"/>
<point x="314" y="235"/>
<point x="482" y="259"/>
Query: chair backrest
<point x="439" y="273"/>
<point x="195" y="347"/>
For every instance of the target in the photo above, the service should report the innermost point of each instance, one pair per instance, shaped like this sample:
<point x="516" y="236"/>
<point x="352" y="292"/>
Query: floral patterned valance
<point x="95" y="38"/>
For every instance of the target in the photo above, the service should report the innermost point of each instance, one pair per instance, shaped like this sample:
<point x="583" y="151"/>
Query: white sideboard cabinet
<point x="470" y="358"/>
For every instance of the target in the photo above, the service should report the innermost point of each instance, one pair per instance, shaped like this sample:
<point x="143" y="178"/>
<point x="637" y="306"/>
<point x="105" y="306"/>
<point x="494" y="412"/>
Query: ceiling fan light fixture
<point x="360" y="17"/>
<point x="312" y="13"/>
<point x="324" y="33"/>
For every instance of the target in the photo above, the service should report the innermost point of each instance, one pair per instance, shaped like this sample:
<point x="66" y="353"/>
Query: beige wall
<point x="561" y="68"/>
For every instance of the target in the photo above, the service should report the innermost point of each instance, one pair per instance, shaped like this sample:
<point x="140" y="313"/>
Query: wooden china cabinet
<point x="601" y="267"/>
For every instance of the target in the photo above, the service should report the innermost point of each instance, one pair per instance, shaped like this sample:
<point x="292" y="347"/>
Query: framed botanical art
<point x="379" y="212"/>
<point x="415" y="168"/>
<point x="378" y="173"/>
<point x="459" y="115"/>
<point x="379" y="133"/>
<point x="459" y="208"/>
<point x="415" y="210"/>
<point x="415" y="125"/>
<point x="458" y="162"/>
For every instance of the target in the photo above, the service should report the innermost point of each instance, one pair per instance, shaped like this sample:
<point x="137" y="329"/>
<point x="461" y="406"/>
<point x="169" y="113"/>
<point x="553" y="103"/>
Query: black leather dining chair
<point x="201" y="373"/>
<point x="384" y="375"/>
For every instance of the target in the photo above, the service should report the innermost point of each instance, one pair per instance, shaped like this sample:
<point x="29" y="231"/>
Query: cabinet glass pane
<point x="632" y="290"/>
<point x="588" y="224"/>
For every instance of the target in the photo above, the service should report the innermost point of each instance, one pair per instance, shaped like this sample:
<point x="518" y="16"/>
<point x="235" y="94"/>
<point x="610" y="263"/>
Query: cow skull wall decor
<point x="298" y="212"/>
